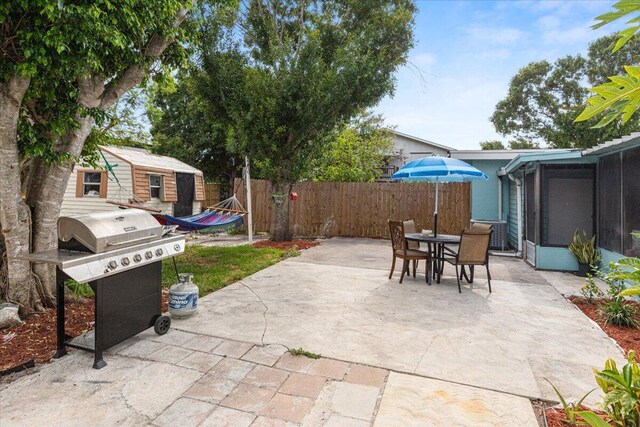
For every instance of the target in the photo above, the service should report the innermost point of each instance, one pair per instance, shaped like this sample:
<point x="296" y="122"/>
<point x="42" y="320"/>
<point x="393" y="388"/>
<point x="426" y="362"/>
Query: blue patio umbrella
<point x="438" y="169"/>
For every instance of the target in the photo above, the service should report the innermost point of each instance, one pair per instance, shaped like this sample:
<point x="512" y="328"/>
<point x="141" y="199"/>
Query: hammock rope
<point x="130" y="199"/>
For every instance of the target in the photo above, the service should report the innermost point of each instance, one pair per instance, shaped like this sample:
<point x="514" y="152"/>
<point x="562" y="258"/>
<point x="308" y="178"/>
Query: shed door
<point x="185" y="184"/>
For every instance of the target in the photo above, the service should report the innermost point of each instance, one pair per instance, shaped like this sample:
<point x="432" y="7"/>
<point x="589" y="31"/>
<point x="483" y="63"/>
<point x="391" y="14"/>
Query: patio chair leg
<point x="393" y="266"/>
<point x="458" y="277"/>
<point x="471" y="271"/>
<point x="415" y="264"/>
<point x="405" y="268"/>
<point x="488" y="277"/>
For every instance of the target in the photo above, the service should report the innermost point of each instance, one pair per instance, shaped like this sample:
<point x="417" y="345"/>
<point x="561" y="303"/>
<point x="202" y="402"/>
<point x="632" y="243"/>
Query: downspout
<point x="499" y="198"/>
<point x="518" y="211"/>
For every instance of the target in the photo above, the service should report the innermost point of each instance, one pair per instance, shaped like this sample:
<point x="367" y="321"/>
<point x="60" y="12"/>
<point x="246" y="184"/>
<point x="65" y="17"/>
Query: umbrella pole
<point x="435" y="213"/>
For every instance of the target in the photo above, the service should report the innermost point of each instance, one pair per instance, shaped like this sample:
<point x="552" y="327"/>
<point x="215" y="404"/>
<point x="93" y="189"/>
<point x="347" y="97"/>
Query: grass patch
<point x="302" y="352"/>
<point x="215" y="267"/>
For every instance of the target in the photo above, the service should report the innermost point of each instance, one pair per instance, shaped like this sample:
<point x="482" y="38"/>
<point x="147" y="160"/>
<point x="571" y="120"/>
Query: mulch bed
<point x="293" y="244"/>
<point x="35" y="338"/>
<point x="627" y="338"/>
<point x="556" y="417"/>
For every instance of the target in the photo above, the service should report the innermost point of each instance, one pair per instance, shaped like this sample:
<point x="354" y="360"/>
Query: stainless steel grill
<point x="119" y="254"/>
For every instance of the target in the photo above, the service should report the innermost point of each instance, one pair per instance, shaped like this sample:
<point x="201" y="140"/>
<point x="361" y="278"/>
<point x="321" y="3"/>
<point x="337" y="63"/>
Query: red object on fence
<point x="293" y="196"/>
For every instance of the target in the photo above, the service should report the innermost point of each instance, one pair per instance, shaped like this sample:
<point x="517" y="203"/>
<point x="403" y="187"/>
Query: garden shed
<point x="162" y="182"/>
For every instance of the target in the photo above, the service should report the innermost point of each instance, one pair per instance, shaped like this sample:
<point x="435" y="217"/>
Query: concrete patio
<point x="418" y="354"/>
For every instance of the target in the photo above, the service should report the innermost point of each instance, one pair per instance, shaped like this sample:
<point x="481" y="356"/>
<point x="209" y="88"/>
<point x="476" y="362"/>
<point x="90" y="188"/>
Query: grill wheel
<point x="162" y="324"/>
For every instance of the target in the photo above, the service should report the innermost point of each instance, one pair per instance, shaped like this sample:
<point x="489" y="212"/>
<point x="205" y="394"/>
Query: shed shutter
<point x="170" y="189"/>
<point x="199" y="181"/>
<point x="80" y="182"/>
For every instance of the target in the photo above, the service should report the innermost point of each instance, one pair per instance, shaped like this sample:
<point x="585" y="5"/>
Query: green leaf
<point x="592" y="419"/>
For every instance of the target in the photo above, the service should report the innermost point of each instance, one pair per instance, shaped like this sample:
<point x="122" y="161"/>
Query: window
<point x="91" y="184"/>
<point x="155" y="186"/>
<point x="566" y="203"/>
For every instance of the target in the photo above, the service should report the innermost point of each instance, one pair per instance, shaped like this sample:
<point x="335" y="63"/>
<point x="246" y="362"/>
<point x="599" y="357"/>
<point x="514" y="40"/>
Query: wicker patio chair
<point x="402" y="251"/>
<point x="473" y="250"/>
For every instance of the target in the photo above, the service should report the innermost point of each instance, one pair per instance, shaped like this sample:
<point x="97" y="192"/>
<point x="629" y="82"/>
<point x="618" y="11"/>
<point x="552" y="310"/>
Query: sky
<point x="465" y="54"/>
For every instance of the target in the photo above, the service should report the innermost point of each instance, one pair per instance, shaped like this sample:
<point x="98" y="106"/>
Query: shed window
<point x="155" y="186"/>
<point x="91" y="184"/>
<point x="566" y="203"/>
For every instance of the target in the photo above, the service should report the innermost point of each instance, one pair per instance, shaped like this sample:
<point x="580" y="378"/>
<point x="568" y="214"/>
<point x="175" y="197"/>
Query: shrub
<point x="617" y="311"/>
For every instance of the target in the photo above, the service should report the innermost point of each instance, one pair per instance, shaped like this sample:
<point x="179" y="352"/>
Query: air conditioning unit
<point x="499" y="236"/>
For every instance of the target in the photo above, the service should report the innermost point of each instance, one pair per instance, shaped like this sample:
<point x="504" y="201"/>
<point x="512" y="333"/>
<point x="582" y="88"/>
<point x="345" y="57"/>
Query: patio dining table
<point x="436" y="247"/>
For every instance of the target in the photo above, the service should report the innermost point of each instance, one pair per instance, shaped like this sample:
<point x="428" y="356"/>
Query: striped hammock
<point x="228" y="213"/>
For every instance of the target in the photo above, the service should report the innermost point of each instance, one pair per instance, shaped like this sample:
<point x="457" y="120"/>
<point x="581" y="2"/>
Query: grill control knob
<point x="176" y="247"/>
<point x="125" y="261"/>
<point x="113" y="264"/>
<point x="148" y="255"/>
<point x="137" y="258"/>
<point x="159" y="251"/>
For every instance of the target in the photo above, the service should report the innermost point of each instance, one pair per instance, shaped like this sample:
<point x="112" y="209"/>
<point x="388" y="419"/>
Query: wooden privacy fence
<point x="361" y="209"/>
<point x="211" y="194"/>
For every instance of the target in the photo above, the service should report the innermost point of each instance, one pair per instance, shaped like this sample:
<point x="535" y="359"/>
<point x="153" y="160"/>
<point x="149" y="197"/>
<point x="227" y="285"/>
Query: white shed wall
<point x="72" y="205"/>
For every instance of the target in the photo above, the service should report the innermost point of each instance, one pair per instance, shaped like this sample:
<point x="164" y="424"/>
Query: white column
<point x="247" y="180"/>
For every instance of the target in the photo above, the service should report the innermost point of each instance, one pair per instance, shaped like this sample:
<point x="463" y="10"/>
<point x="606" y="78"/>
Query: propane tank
<point x="183" y="296"/>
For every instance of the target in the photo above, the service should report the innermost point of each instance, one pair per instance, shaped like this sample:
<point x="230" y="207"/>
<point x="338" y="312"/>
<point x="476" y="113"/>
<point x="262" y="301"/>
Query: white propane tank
<point x="183" y="296"/>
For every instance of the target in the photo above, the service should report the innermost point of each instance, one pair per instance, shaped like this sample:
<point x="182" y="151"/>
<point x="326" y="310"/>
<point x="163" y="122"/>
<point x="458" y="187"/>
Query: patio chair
<point x="402" y="251"/>
<point x="473" y="250"/>
<point x="410" y="227"/>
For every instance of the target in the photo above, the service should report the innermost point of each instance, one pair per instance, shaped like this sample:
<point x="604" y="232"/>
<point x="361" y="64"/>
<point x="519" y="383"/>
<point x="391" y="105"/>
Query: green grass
<point x="215" y="267"/>
<point x="302" y="352"/>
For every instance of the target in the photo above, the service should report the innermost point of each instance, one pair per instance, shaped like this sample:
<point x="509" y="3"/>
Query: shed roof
<point x="496" y="154"/>
<point x="142" y="157"/>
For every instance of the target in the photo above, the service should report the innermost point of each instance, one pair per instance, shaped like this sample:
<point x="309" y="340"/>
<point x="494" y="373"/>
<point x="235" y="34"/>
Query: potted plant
<point x="584" y="249"/>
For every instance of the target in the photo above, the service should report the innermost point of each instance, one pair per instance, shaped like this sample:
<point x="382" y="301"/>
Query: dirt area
<point x="627" y="338"/>
<point x="300" y="244"/>
<point x="35" y="338"/>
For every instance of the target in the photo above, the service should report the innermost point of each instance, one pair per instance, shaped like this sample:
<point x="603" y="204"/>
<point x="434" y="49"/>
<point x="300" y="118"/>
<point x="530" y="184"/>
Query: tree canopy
<point x="183" y="127"/>
<point x="354" y="153"/>
<point x="284" y="74"/>
<point x="544" y="98"/>
<point x="64" y="67"/>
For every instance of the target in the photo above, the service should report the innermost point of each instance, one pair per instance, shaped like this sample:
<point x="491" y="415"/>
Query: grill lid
<point x="105" y="231"/>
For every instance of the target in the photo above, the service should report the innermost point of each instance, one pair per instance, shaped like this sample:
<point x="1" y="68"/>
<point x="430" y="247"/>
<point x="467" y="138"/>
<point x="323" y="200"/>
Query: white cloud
<point x="494" y="35"/>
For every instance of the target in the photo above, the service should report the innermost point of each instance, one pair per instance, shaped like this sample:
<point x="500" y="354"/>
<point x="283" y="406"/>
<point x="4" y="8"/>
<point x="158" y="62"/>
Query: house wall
<point x="554" y="258"/>
<point x="408" y="149"/>
<point x="484" y="194"/>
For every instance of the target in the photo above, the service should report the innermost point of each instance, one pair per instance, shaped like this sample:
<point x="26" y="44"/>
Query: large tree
<point x="183" y="127"/>
<point x="356" y="152"/>
<point x="544" y="98"/>
<point x="64" y="66"/>
<point x="287" y="73"/>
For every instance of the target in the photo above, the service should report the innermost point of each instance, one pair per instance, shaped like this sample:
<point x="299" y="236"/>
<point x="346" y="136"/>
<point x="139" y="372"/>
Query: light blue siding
<point x="484" y="194"/>
<point x="548" y="258"/>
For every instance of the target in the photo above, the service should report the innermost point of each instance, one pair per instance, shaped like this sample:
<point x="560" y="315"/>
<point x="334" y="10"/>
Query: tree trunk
<point x="15" y="217"/>
<point x="45" y="195"/>
<point x="280" y="215"/>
